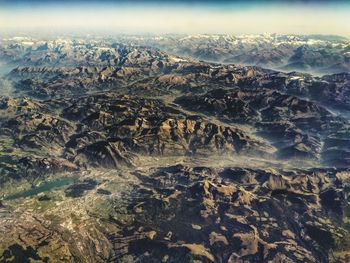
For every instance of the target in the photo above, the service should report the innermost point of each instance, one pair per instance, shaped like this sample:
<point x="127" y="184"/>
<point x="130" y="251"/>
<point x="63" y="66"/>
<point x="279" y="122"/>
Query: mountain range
<point x="175" y="149"/>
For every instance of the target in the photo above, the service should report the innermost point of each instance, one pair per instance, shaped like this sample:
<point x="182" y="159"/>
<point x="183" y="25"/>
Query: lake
<point x="47" y="186"/>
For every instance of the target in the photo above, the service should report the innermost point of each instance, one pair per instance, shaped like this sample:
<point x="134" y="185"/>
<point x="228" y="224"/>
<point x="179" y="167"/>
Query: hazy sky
<point x="236" y="17"/>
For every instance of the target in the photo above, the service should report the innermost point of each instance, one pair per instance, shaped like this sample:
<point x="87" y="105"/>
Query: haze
<point x="178" y="17"/>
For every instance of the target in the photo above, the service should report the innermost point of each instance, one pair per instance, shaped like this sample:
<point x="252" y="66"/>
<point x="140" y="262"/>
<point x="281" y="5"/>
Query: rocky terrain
<point x="119" y="151"/>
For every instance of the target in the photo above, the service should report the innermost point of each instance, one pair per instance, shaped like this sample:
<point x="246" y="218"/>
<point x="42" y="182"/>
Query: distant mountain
<point x="318" y="54"/>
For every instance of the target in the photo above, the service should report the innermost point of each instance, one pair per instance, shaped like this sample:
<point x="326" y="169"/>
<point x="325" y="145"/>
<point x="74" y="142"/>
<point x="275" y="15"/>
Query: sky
<point x="184" y="17"/>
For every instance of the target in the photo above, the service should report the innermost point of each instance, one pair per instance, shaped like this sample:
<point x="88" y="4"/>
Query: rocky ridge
<point x="171" y="159"/>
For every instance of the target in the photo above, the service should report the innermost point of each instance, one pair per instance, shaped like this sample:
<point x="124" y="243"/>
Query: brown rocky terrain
<point x="118" y="153"/>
